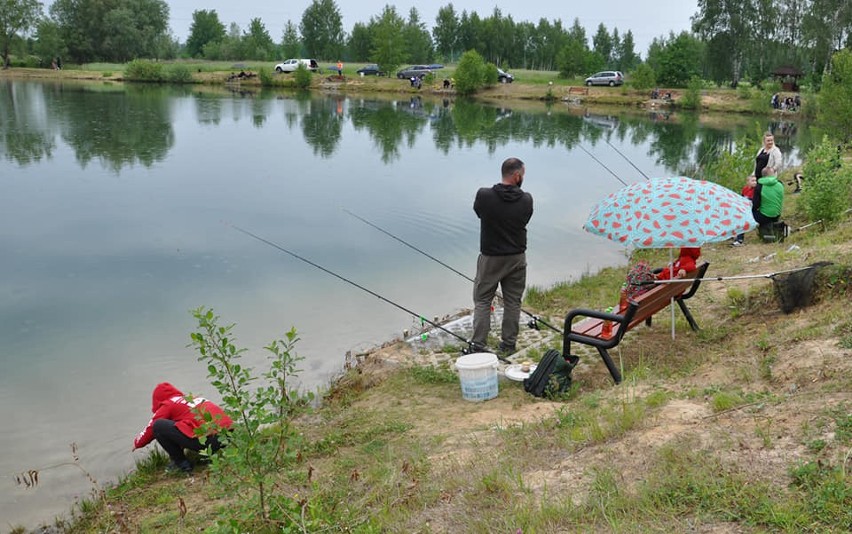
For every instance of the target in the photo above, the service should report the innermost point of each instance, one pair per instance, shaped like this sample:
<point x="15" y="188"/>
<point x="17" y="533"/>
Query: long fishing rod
<point x="470" y="344"/>
<point x="740" y="277"/>
<point x="627" y="160"/>
<point x="534" y="319"/>
<point x="601" y="163"/>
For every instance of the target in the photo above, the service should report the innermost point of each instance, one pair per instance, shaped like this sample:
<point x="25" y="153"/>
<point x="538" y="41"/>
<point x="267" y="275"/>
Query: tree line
<point x="730" y="39"/>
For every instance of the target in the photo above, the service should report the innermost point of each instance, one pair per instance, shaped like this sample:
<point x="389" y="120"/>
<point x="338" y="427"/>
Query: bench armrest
<point x="621" y="320"/>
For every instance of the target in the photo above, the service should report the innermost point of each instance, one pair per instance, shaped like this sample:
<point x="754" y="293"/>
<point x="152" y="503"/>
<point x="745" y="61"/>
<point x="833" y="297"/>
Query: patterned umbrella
<point x="671" y="212"/>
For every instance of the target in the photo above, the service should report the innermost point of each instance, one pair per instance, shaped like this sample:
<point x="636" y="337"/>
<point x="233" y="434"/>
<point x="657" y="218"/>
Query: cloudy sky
<point x="646" y="19"/>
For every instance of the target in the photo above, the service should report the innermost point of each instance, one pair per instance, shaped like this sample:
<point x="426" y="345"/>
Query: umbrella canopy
<point x="671" y="212"/>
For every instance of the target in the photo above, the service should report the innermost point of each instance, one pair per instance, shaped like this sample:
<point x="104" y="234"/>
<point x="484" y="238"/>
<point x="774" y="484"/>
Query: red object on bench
<point x="641" y="308"/>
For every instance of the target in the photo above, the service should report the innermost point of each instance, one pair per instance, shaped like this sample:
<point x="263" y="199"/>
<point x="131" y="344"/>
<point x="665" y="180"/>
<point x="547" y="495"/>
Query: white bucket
<point x="478" y="374"/>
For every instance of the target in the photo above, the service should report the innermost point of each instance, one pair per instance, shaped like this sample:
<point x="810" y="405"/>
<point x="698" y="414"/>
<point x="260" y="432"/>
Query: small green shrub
<point x="178" y="74"/>
<point x="262" y="441"/>
<point x="470" y="73"/>
<point x="140" y="70"/>
<point x="106" y="74"/>
<point x="302" y="76"/>
<point x="743" y="92"/>
<point x="692" y="96"/>
<point x="643" y="77"/>
<point x="490" y="74"/>
<point x="827" y="191"/>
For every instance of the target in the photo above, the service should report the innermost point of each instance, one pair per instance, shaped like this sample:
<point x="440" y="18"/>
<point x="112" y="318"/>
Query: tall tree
<point x="445" y="33"/>
<point x="417" y="39"/>
<point x="388" y="41"/>
<point x="205" y="28"/>
<point x="111" y="30"/>
<point x="322" y="30"/>
<point x="573" y="58"/>
<point x="827" y="28"/>
<point x="735" y="19"/>
<point x="628" y="59"/>
<point x="16" y="17"/>
<point x="676" y="59"/>
<point x="291" y="44"/>
<point x="360" y="42"/>
<point x="602" y="44"/>
<point x="257" y="43"/>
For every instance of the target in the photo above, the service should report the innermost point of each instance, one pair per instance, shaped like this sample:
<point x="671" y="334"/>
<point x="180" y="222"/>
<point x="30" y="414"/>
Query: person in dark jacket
<point x="174" y="423"/>
<point x="504" y="211"/>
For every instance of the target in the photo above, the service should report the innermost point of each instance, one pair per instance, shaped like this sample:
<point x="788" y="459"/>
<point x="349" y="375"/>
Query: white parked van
<point x="292" y="64"/>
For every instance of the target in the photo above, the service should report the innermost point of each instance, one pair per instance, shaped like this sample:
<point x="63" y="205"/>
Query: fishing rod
<point x="627" y="160"/>
<point x="740" y="277"/>
<point x="534" y="319"/>
<point x="470" y="345"/>
<point x="601" y="163"/>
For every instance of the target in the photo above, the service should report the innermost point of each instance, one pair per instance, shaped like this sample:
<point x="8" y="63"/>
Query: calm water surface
<point x="116" y="206"/>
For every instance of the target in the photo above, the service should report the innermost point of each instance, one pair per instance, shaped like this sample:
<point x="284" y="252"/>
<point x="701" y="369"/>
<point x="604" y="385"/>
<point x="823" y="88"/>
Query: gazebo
<point x="788" y="76"/>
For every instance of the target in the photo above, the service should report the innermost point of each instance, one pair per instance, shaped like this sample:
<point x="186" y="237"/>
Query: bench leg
<point x="613" y="370"/>
<point x="685" y="310"/>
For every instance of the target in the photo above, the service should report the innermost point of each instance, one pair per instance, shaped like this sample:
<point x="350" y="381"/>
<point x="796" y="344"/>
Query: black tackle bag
<point x="552" y="375"/>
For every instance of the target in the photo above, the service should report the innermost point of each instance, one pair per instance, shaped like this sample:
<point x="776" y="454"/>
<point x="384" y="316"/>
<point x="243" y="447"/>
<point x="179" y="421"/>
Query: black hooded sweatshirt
<point x="503" y="211"/>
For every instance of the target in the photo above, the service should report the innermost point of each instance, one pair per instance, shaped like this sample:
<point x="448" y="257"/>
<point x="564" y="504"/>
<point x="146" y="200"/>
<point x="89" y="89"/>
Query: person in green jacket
<point x="768" y="198"/>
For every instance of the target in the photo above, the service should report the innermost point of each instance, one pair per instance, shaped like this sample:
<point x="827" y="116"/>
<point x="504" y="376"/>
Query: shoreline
<point x="713" y="100"/>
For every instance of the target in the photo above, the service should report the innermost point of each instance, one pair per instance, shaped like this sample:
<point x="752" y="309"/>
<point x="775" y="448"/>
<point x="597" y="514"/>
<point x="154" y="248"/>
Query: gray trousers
<point x="510" y="272"/>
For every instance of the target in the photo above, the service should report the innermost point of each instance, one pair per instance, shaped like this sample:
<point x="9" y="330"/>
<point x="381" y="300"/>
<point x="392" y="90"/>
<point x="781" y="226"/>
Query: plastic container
<point x="478" y="375"/>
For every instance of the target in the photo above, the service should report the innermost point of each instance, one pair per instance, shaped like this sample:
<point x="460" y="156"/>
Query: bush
<point x="827" y="190"/>
<point x="643" y="77"/>
<point x="490" y="74"/>
<point x="302" y="76"/>
<point x="835" y="98"/>
<point x="179" y="74"/>
<point x="262" y="441"/>
<point x="140" y="70"/>
<point x="470" y="73"/>
<point x="692" y="96"/>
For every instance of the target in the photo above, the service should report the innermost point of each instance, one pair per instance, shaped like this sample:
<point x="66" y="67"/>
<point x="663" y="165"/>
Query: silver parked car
<point x="606" y="77"/>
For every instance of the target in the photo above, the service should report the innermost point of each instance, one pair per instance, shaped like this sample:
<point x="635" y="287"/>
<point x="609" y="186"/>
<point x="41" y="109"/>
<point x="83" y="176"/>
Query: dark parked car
<point x="504" y="77"/>
<point x="370" y="70"/>
<point x="414" y="71"/>
<point x="607" y="77"/>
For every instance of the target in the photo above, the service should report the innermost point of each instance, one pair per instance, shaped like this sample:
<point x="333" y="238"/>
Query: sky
<point x="645" y="19"/>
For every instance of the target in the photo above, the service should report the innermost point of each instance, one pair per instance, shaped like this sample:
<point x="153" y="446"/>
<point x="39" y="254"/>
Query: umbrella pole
<point x="671" y="302"/>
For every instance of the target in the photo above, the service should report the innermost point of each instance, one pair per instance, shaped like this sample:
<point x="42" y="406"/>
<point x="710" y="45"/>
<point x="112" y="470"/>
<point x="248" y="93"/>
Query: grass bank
<point x="744" y="426"/>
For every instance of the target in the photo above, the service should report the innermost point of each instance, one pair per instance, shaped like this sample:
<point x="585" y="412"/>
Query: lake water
<point x="116" y="212"/>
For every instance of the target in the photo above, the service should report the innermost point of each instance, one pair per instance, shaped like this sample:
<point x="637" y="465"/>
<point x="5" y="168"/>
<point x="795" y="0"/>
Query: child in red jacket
<point x="174" y="423"/>
<point x="685" y="263"/>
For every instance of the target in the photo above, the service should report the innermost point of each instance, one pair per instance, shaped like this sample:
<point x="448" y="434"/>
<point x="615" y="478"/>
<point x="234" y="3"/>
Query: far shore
<point x="539" y="91"/>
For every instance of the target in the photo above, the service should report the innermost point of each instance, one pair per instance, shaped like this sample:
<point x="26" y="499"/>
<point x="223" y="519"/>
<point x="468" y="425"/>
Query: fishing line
<point x="534" y="318"/>
<point x="627" y="160"/>
<point x="423" y="319"/>
<point x="601" y="163"/>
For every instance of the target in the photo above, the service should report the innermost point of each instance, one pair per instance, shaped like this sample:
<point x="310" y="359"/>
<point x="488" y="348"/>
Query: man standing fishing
<point x="504" y="211"/>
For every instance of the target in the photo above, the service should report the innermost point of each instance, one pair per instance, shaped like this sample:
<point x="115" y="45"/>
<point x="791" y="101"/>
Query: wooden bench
<point x="578" y="90"/>
<point x="640" y="309"/>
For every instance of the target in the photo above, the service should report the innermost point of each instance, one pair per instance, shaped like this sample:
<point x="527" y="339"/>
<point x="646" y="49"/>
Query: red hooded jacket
<point x="169" y="403"/>
<point x="686" y="261"/>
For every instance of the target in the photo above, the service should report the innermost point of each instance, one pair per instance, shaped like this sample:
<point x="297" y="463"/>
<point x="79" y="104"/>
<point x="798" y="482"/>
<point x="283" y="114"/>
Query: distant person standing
<point x="339" y="68"/>
<point x="504" y="211"/>
<point x="769" y="155"/>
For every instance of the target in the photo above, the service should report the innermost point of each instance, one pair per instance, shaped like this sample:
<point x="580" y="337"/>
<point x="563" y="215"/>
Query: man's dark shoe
<point x="506" y="349"/>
